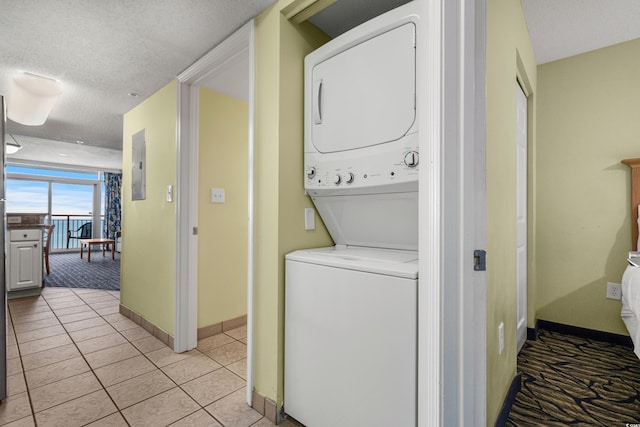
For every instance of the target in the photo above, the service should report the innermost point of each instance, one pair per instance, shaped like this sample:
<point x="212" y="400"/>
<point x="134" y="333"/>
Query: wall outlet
<point x="614" y="291"/>
<point x="500" y="338"/>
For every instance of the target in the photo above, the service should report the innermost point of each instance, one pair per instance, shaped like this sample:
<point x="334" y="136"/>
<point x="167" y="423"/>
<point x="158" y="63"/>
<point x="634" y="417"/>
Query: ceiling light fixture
<point x="31" y="98"/>
<point x="12" y="147"/>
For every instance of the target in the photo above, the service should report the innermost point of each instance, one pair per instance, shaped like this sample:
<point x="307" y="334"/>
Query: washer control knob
<point x="412" y="159"/>
<point x="311" y="172"/>
<point x="350" y="178"/>
<point x="337" y="179"/>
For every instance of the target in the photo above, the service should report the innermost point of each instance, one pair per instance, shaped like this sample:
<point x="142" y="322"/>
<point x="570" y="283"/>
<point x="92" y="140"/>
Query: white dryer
<point x="361" y="134"/>
<point x="351" y="310"/>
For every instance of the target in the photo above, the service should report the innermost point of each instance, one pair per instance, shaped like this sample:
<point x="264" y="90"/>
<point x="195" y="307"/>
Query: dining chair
<point x="49" y="230"/>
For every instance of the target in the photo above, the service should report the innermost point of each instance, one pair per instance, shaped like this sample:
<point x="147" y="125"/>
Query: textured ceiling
<point x="102" y="50"/>
<point x="56" y="154"/>
<point x="563" y="28"/>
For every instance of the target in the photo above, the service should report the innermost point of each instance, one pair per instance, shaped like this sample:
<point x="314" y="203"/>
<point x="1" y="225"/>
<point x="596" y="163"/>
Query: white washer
<point x="350" y="336"/>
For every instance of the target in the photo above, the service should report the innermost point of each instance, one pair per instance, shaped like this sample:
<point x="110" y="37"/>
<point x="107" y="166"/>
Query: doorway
<point x="218" y="68"/>
<point x="71" y="202"/>
<point x="521" y="217"/>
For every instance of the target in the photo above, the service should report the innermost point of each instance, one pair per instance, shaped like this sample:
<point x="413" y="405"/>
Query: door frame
<point x="522" y="293"/>
<point x="186" y="195"/>
<point x="451" y="98"/>
<point x="523" y="80"/>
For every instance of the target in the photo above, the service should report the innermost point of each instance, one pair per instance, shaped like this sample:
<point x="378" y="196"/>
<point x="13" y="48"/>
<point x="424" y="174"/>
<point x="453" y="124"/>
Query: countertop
<point x="25" y="226"/>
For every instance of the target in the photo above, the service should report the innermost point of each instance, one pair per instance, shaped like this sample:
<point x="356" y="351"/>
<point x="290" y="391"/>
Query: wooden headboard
<point x="634" y="164"/>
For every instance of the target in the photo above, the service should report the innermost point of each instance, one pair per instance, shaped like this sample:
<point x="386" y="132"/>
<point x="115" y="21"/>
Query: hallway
<point x="74" y="360"/>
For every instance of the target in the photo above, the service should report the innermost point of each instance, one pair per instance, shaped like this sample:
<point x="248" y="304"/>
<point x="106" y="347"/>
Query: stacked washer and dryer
<point x="351" y="310"/>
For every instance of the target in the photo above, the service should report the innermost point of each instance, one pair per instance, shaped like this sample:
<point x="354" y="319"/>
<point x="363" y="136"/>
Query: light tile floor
<point x="73" y="360"/>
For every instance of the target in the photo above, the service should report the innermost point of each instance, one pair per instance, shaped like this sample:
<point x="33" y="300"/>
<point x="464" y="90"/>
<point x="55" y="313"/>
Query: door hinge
<point x="480" y="260"/>
<point x="195" y="231"/>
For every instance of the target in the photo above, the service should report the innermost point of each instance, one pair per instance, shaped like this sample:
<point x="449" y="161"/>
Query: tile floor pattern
<point x="74" y="360"/>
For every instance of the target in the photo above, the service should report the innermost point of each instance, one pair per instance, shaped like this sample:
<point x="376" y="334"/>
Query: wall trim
<point x="154" y="330"/>
<point x="220" y="327"/>
<point x="509" y="400"/>
<point x="267" y="407"/>
<point x="591" y="334"/>
<point x="532" y="333"/>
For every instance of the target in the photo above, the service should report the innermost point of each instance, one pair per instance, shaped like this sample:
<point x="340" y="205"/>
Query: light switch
<point x="309" y="219"/>
<point x="169" y="193"/>
<point x="217" y="195"/>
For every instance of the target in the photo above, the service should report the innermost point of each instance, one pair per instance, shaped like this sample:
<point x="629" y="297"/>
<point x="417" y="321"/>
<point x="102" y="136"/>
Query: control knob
<point x="412" y="159"/>
<point x="350" y="178"/>
<point x="311" y="172"/>
<point x="337" y="179"/>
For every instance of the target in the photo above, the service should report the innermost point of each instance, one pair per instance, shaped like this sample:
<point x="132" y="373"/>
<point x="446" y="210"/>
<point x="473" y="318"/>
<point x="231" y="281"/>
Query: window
<point x="68" y="198"/>
<point x="28" y="170"/>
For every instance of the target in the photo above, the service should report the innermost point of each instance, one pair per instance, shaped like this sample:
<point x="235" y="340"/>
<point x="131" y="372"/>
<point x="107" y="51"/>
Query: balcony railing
<point x="69" y="222"/>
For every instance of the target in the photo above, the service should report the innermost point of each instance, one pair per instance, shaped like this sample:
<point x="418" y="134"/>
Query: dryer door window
<point x="365" y="95"/>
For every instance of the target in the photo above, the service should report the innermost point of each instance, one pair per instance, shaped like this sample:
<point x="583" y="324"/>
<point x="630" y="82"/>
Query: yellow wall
<point x="509" y="53"/>
<point x="222" y="228"/>
<point x="148" y="226"/>
<point x="588" y="117"/>
<point x="280" y="200"/>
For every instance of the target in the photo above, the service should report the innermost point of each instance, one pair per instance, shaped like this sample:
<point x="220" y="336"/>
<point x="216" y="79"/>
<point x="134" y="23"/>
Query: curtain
<point x="112" y="206"/>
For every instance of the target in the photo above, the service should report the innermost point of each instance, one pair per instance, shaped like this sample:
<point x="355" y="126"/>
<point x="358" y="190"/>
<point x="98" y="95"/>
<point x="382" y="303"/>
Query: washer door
<point x="365" y="95"/>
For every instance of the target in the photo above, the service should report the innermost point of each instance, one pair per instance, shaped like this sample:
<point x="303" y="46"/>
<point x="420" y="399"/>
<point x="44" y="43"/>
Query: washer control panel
<point x="346" y="170"/>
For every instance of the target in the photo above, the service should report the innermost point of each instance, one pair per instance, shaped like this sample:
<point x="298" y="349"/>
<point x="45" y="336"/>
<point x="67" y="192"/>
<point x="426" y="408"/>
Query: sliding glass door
<point x="27" y="197"/>
<point x="71" y="210"/>
<point x="69" y="200"/>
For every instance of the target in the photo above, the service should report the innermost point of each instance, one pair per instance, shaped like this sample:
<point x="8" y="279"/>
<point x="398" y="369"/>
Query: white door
<point x="521" y="217"/>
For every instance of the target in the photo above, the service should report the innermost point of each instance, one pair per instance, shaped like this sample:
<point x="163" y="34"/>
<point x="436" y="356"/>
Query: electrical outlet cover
<point x="614" y="291"/>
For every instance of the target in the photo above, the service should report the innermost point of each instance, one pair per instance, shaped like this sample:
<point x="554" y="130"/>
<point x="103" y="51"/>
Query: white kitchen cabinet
<point x="25" y="259"/>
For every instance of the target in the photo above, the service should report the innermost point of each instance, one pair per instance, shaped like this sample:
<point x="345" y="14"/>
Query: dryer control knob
<point x="337" y="179"/>
<point x="411" y="159"/>
<point x="311" y="172"/>
<point x="350" y="178"/>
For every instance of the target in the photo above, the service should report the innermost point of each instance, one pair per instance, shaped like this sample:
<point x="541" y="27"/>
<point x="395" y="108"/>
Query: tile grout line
<point x="24" y="372"/>
<point x="83" y="358"/>
<point x="81" y="355"/>
<point x="79" y="295"/>
<point x="129" y="341"/>
<point x="91" y="367"/>
<point x="155" y="366"/>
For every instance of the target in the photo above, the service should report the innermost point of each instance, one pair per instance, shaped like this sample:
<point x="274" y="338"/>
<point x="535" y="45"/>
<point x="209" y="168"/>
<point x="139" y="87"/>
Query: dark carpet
<point x="69" y="271"/>
<point x="570" y="381"/>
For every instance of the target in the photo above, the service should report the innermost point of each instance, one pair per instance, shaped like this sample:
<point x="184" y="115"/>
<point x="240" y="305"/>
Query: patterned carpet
<point x="578" y="382"/>
<point x="68" y="270"/>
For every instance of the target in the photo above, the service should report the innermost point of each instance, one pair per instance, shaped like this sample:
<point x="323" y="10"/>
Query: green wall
<point x="222" y="228"/>
<point x="149" y="226"/>
<point x="509" y="55"/>
<point x="279" y="192"/>
<point x="588" y="121"/>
